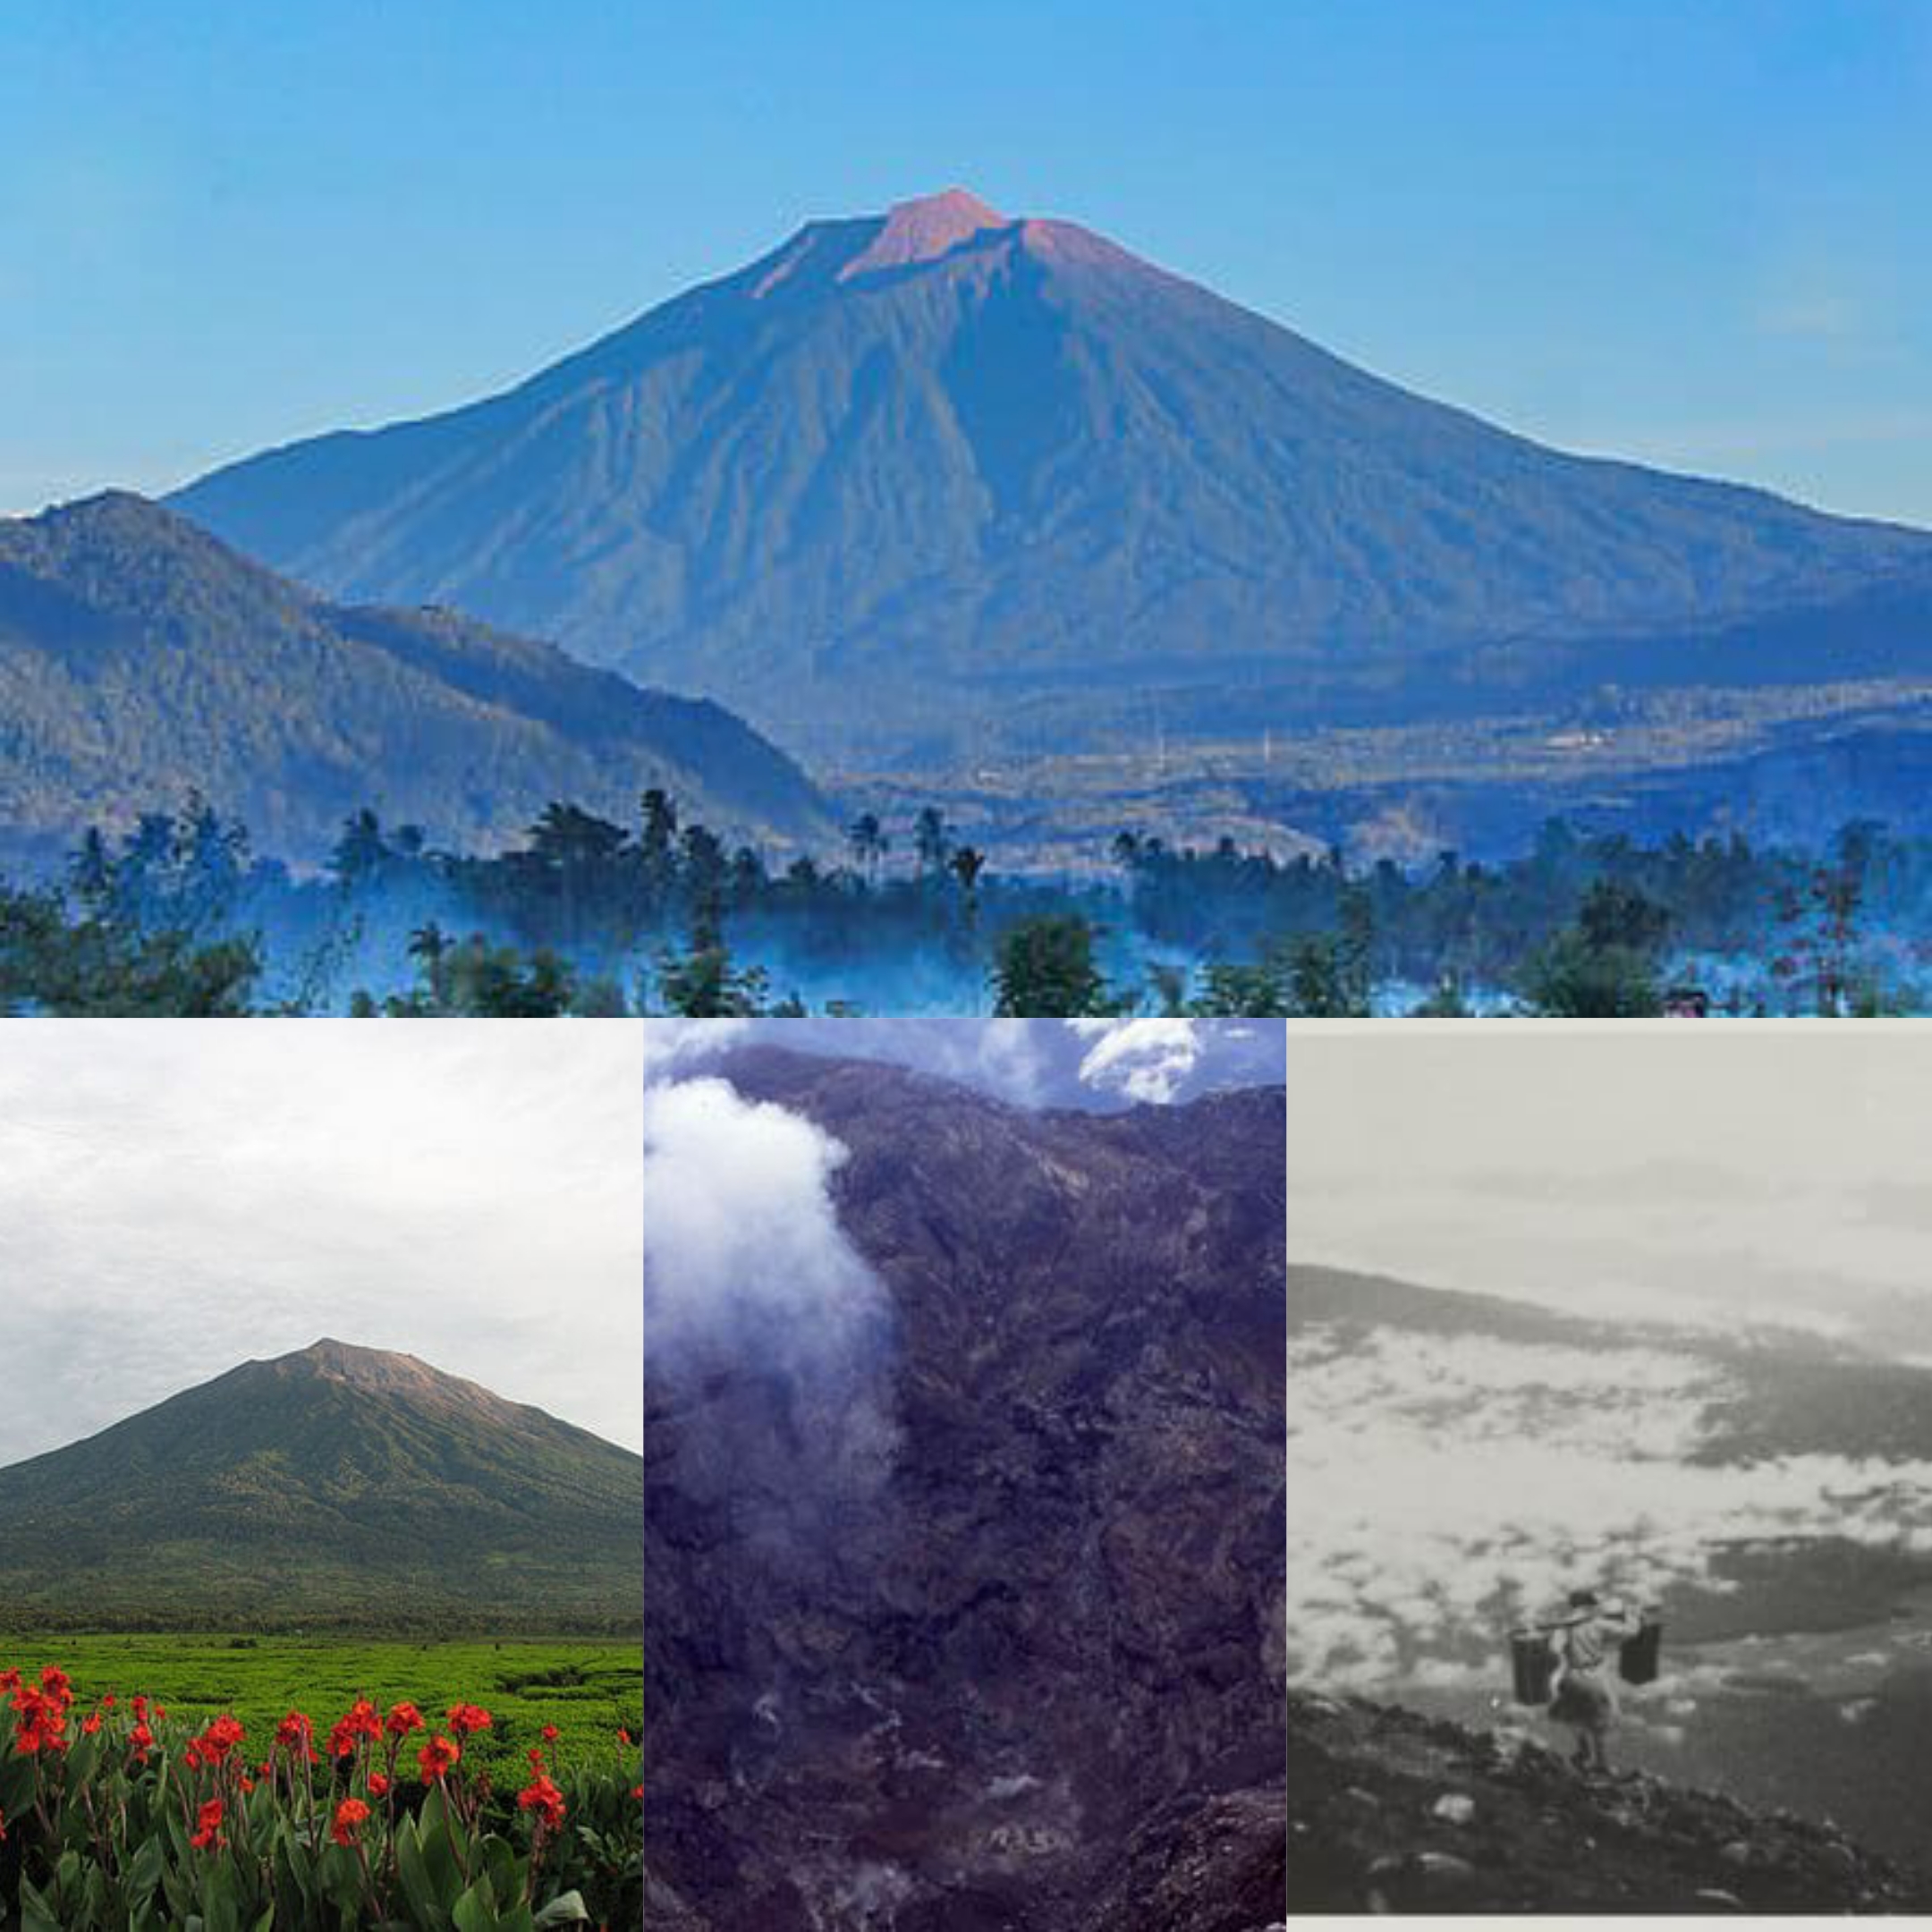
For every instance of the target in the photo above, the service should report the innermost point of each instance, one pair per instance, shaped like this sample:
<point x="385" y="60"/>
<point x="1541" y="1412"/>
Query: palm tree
<point x="868" y="843"/>
<point x="931" y="839"/>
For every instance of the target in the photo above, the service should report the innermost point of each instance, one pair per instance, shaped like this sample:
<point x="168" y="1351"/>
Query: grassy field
<point x="588" y="1688"/>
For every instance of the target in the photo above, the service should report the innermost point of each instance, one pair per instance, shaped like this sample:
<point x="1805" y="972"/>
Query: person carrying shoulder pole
<point x="1583" y="1642"/>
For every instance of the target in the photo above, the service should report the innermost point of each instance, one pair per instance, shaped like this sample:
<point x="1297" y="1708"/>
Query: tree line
<point x="586" y="916"/>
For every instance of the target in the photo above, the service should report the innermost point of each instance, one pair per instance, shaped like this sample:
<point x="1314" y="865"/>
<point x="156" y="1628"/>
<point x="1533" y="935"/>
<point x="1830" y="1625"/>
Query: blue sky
<point x="1694" y="235"/>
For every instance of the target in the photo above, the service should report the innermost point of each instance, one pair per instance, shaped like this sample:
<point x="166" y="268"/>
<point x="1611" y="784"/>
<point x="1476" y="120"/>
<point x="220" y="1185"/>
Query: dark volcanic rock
<point x="1029" y="1679"/>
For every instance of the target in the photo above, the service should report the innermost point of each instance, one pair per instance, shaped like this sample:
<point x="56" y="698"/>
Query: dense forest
<point x="589" y="917"/>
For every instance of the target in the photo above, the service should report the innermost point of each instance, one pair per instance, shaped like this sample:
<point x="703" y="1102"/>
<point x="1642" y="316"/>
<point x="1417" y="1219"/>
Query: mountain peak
<point x="345" y="1358"/>
<point x="315" y="1484"/>
<point x="957" y="454"/>
<point x="376" y="1370"/>
<point x="924" y="229"/>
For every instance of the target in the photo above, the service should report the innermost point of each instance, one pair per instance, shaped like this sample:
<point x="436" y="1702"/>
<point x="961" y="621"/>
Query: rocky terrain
<point x="1391" y="1812"/>
<point x="978" y="1627"/>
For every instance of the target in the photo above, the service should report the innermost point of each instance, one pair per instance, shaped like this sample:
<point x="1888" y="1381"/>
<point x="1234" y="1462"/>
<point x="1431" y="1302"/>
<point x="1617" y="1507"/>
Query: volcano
<point x="995" y="475"/>
<point x="335" y="1486"/>
<point x="1044" y="1650"/>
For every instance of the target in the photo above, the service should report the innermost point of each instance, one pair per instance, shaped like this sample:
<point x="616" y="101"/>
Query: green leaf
<point x="506" y="1871"/>
<point x="439" y="1856"/>
<point x="476" y="1910"/>
<point x="36" y="1914"/>
<point x="414" y="1872"/>
<point x="82" y="1759"/>
<point x="144" y="1869"/>
<point x="567" y="1908"/>
<point x="16" y="1784"/>
<point x="220" y="1910"/>
<point x="293" y="1868"/>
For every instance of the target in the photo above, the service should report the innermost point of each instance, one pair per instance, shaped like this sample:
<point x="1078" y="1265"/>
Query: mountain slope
<point x="139" y="657"/>
<point x="1048" y="1639"/>
<point x="1364" y="1833"/>
<point x="336" y="1485"/>
<point x="958" y="462"/>
<point x="1464" y="1459"/>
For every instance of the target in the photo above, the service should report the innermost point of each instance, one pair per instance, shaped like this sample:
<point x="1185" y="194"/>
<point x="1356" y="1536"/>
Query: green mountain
<point x="139" y="657"/>
<point x="339" y="1486"/>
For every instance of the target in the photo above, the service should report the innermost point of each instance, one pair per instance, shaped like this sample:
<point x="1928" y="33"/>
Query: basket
<point x="1637" y="1655"/>
<point x="1532" y="1666"/>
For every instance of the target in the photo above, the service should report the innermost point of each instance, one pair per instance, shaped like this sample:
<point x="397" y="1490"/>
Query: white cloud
<point x="1148" y="1059"/>
<point x="673" y="1043"/>
<point x="176" y="1198"/>
<point x="755" y="1299"/>
<point x="739" y="1231"/>
<point x="1442" y="1487"/>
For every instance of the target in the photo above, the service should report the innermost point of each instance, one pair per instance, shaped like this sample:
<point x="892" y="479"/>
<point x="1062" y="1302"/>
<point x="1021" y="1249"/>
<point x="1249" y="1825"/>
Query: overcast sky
<point x="176" y="1199"/>
<point x="1700" y="1174"/>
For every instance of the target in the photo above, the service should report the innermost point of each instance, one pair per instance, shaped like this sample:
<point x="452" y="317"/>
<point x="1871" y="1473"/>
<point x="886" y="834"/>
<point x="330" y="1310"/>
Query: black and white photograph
<point x="1609" y="1483"/>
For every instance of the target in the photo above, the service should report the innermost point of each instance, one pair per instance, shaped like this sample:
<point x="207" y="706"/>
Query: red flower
<point x="351" y="1815"/>
<point x="542" y="1797"/>
<point x="378" y="1785"/>
<point x="549" y="1733"/>
<point x="141" y="1739"/>
<point x="363" y="1721"/>
<point x="216" y="1741"/>
<point x="465" y="1719"/>
<point x="207" y="1823"/>
<point x="403" y="1718"/>
<point x="43" y="1721"/>
<point x="91" y="1723"/>
<point x="623" y="1737"/>
<point x="436" y="1757"/>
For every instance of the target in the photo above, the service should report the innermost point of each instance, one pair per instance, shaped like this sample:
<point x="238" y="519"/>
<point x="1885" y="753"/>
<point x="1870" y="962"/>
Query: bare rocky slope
<point x="1022" y="1671"/>
<point x="1388" y="1811"/>
<point x="941" y="476"/>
